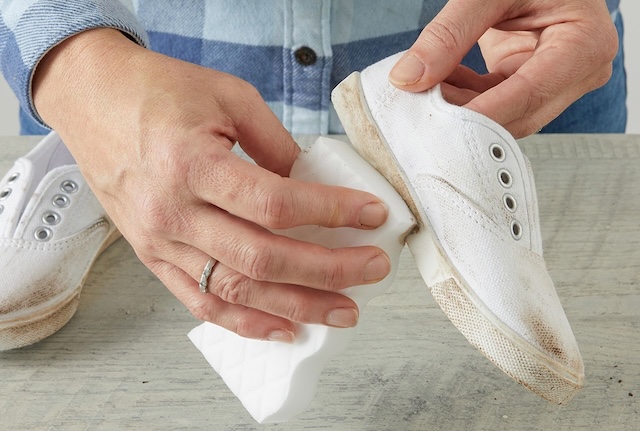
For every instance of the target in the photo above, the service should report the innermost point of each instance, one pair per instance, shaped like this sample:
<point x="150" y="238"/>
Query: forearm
<point x="27" y="34"/>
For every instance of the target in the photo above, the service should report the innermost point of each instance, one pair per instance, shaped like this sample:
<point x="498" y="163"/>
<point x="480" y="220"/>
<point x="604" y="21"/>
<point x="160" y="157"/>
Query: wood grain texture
<point x="124" y="361"/>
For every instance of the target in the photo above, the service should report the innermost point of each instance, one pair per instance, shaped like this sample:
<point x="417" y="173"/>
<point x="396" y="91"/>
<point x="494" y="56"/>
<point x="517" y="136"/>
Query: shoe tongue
<point x="48" y="157"/>
<point x="17" y="200"/>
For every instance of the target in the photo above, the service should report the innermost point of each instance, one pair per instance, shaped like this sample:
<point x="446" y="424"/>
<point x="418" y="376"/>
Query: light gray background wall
<point x="631" y="13"/>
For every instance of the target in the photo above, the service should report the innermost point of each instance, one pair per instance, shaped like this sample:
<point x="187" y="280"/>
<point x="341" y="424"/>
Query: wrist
<point x="77" y="73"/>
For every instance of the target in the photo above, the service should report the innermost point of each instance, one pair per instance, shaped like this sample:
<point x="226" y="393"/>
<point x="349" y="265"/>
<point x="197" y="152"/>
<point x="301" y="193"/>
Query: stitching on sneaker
<point x="468" y="210"/>
<point x="492" y="227"/>
<point x="384" y="96"/>
<point x="471" y="136"/>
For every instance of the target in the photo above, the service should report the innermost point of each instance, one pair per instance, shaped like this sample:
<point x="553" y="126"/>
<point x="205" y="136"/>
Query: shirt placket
<point x="307" y="66"/>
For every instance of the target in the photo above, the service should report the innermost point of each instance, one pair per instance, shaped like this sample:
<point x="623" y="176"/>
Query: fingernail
<point x="342" y="317"/>
<point x="377" y="268"/>
<point x="281" y="335"/>
<point x="373" y="215"/>
<point x="407" y="71"/>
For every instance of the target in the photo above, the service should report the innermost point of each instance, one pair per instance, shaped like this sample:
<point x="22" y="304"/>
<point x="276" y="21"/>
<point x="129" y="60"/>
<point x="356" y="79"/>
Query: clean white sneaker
<point x="478" y="246"/>
<point x="52" y="229"/>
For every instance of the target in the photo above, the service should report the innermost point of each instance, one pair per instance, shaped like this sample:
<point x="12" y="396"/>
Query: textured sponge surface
<point x="276" y="381"/>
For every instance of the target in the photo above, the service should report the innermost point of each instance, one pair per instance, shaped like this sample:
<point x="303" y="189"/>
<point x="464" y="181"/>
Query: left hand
<point x="542" y="55"/>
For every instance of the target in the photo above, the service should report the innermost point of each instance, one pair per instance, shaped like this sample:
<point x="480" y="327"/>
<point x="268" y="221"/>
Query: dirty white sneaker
<point x="478" y="246"/>
<point x="52" y="229"/>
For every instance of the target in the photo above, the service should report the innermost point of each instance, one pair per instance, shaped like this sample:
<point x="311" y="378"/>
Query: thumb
<point x="442" y="44"/>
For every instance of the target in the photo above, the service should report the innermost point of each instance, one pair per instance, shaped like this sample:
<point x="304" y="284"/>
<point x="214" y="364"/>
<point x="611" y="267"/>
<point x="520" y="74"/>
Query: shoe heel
<point x="365" y="136"/>
<point x="350" y="104"/>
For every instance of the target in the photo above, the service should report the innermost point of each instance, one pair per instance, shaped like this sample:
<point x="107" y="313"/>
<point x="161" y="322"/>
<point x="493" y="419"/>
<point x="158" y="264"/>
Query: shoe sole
<point x="30" y="329"/>
<point x="520" y="360"/>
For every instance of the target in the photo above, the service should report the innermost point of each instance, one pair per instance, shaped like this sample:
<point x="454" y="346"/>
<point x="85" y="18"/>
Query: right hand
<point x="153" y="136"/>
<point x="541" y="56"/>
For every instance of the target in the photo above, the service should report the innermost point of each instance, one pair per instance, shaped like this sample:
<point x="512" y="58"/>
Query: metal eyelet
<point x="69" y="186"/>
<point x="43" y="234"/>
<point x="504" y="177"/>
<point x="5" y="194"/>
<point x="510" y="202"/>
<point x="51" y="218"/>
<point x="497" y="152"/>
<point x="60" y="201"/>
<point x="516" y="229"/>
<point x="13" y="177"/>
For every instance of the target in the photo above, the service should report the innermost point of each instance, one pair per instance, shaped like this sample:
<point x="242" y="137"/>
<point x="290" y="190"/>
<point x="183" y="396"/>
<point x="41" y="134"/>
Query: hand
<point x="152" y="136"/>
<point x="542" y="56"/>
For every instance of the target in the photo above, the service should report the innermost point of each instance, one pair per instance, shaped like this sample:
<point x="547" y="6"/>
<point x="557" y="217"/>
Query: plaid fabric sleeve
<point x="30" y="28"/>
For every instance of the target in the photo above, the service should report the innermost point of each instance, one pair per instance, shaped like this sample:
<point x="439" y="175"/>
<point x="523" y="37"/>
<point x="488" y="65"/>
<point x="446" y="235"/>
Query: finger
<point x="264" y="256"/>
<point x="530" y="90"/>
<point x="504" y="52"/>
<point x="535" y="120"/>
<point x="255" y="194"/>
<point x="259" y="132"/>
<point x="443" y="43"/>
<point x="244" y="321"/>
<point x="455" y="95"/>
<point x="465" y="78"/>
<point x="292" y="302"/>
<point x="513" y="104"/>
<point x="464" y="84"/>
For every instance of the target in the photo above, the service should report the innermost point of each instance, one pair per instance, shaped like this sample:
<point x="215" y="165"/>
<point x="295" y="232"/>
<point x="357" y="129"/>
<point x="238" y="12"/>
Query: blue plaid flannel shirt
<point x="256" y="40"/>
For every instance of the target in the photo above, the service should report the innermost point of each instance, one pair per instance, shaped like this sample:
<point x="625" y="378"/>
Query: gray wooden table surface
<point x="124" y="361"/>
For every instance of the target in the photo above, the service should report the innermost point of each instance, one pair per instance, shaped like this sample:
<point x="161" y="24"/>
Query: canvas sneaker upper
<point x="51" y="229"/>
<point x="479" y="247"/>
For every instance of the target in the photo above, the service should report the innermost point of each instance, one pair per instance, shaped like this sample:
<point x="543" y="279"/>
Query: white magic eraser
<point x="275" y="381"/>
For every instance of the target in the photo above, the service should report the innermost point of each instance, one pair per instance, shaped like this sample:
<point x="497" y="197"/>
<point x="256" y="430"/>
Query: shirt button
<point x="306" y="56"/>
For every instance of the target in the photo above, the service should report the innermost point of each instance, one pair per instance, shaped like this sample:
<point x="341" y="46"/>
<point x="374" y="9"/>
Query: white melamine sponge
<point x="275" y="381"/>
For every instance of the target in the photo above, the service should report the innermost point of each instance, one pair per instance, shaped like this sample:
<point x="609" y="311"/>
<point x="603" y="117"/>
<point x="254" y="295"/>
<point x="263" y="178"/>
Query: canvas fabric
<point x="445" y="152"/>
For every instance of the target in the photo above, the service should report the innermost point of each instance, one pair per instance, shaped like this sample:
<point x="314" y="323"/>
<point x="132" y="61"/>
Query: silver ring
<point x="204" y="278"/>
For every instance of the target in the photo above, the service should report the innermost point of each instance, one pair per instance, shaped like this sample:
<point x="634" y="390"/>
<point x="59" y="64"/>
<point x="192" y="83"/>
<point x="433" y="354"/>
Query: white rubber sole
<point x="44" y="322"/>
<point x="520" y="360"/>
